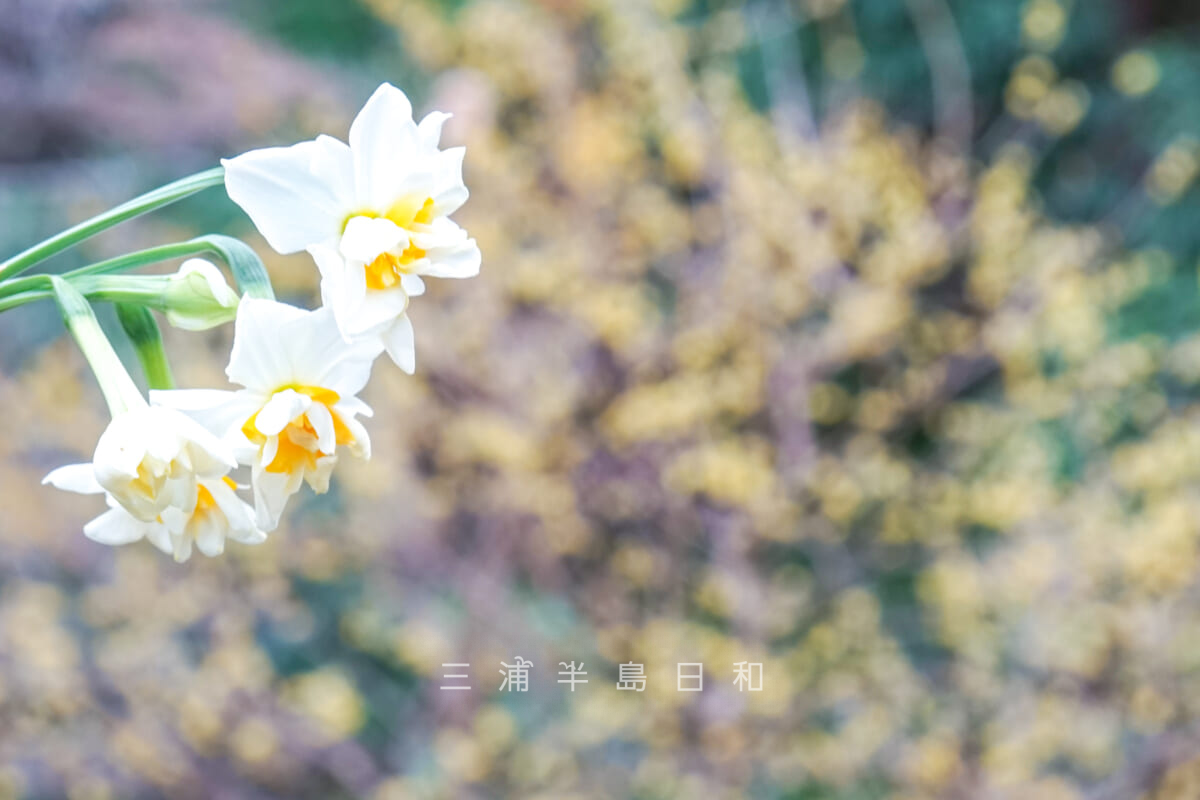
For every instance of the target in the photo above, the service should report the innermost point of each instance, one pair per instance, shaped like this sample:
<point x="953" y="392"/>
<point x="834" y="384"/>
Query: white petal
<point x="283" y="194"/>
<point x="412" y="285"/>
<point x="442" y="232"/>
<point x="114" y="527"/>
<point x="163" y="438"/>
<point x="217" y="410"/>
<point x="318" y="479"/>
<point x="238" y="515"/>
<point x="361" y="446"/>
<point x="430" y="128"/>
<point x="267" y="454"/>
<point x="292" y="346"/>
<point x="458" y="262"/>
<point x="160" y="537"/>
<point x="343" y="287"/>
<point x="282" y="408"/>
<point x="400" y="343"/>
<point x="259" y="359"/>
<point x="181" y="548"/>
<point x="247" y="452"/>
<point x="208" y="531"/>
<point x="121" y="448"/>
<point x="349" y="406"/>
<point x="248" y="535"/>
<point x="176" y="520"/>
<point x="179" y="495"/>
<point x="449" y="252"/>
<point x="79" y="478"/>
<point x="190" y="399"/>
<point x="324" y="358"/>
<point x="377" y="312"/>
<point x="209" y="455"/>
<point x="271" y="493"/>
<point x="383" y="141"/>
<point x="333" y="164"/>
<point x="449" y="191"/>
<point x="322" y="422"/>
<point x="365" y="238"/>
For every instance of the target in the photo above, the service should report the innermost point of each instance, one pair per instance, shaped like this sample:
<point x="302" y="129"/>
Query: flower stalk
<point x="163" y="196"/>
<point x="244" y="263"/>
<point x="374" y="215"/>
<point x="120" y="392"/>
<point x="147" y="290"/>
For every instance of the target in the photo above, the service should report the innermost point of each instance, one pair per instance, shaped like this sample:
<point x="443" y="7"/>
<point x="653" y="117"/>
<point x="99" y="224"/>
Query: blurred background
<point x="859" y="338"/>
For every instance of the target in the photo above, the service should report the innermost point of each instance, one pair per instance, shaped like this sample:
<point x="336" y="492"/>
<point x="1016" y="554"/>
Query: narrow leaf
<point x="142" y="329"/>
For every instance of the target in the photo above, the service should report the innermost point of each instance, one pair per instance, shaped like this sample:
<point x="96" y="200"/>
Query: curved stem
<point x="119" y="390"/>
<point x="247" y="269"/>
<point x="18" y="291"/>
<point x="151" y="255"/>
<point x="251" y="276"/>
<point x="22" y="298"/>
<point x="158" y="198"/>
<point x="41" y="287"/>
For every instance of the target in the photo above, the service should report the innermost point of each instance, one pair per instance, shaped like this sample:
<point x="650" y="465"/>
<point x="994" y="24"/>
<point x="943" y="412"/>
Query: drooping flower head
<point x="165" y="478"/>
<point x="212" y="515"/>
<point x="297" y="410"/>
<point x="150" y="458"/>
<point x="374" y="214"/>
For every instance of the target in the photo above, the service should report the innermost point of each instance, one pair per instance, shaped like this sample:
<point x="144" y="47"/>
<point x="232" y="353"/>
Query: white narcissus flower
<point x="374" y="214"/>
<point x="297" y="411"/>
<point x="211" y="515"/>
<point x="150" y="458"/>
<point x="163" y="474"/>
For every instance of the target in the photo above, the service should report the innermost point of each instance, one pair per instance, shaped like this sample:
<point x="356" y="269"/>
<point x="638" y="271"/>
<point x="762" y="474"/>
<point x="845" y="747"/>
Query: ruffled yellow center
<point x="205" y="502"/>
<point x="386" y="270"/>
<point x="298" y="442"/>
<point x="146" y="483"/>
<point x="411" y="210"/>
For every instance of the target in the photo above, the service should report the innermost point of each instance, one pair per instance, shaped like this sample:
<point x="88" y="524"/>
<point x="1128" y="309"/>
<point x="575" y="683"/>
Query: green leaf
<point x="119" y="390"/>
<point x="247" y="268"/>
<point x="142" y="329"/>
<point x="162" y="196"/>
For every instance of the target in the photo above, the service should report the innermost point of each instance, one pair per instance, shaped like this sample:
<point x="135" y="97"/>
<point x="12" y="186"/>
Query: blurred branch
<point x="783" y="68"/>
<point x="949" y="71"/>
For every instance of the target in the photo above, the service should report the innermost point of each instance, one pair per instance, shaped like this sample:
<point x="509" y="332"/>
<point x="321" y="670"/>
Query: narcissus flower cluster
<point x="374" y="217"/>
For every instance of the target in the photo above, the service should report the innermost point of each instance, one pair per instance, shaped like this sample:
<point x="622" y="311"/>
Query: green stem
<point x="158" y="198"/>
<point x="41" y="287"/>
<point x="142" y="330"/>
<point x="22" y="298"/>
<point x="119" y="390"/>
<point x="153" y="255"/>
<point x="251" y="276"/>
<point x="141" y="258"/>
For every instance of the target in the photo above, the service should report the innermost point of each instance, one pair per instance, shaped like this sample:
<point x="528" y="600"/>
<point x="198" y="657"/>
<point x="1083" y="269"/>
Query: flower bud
<point x="197" y="297"/>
